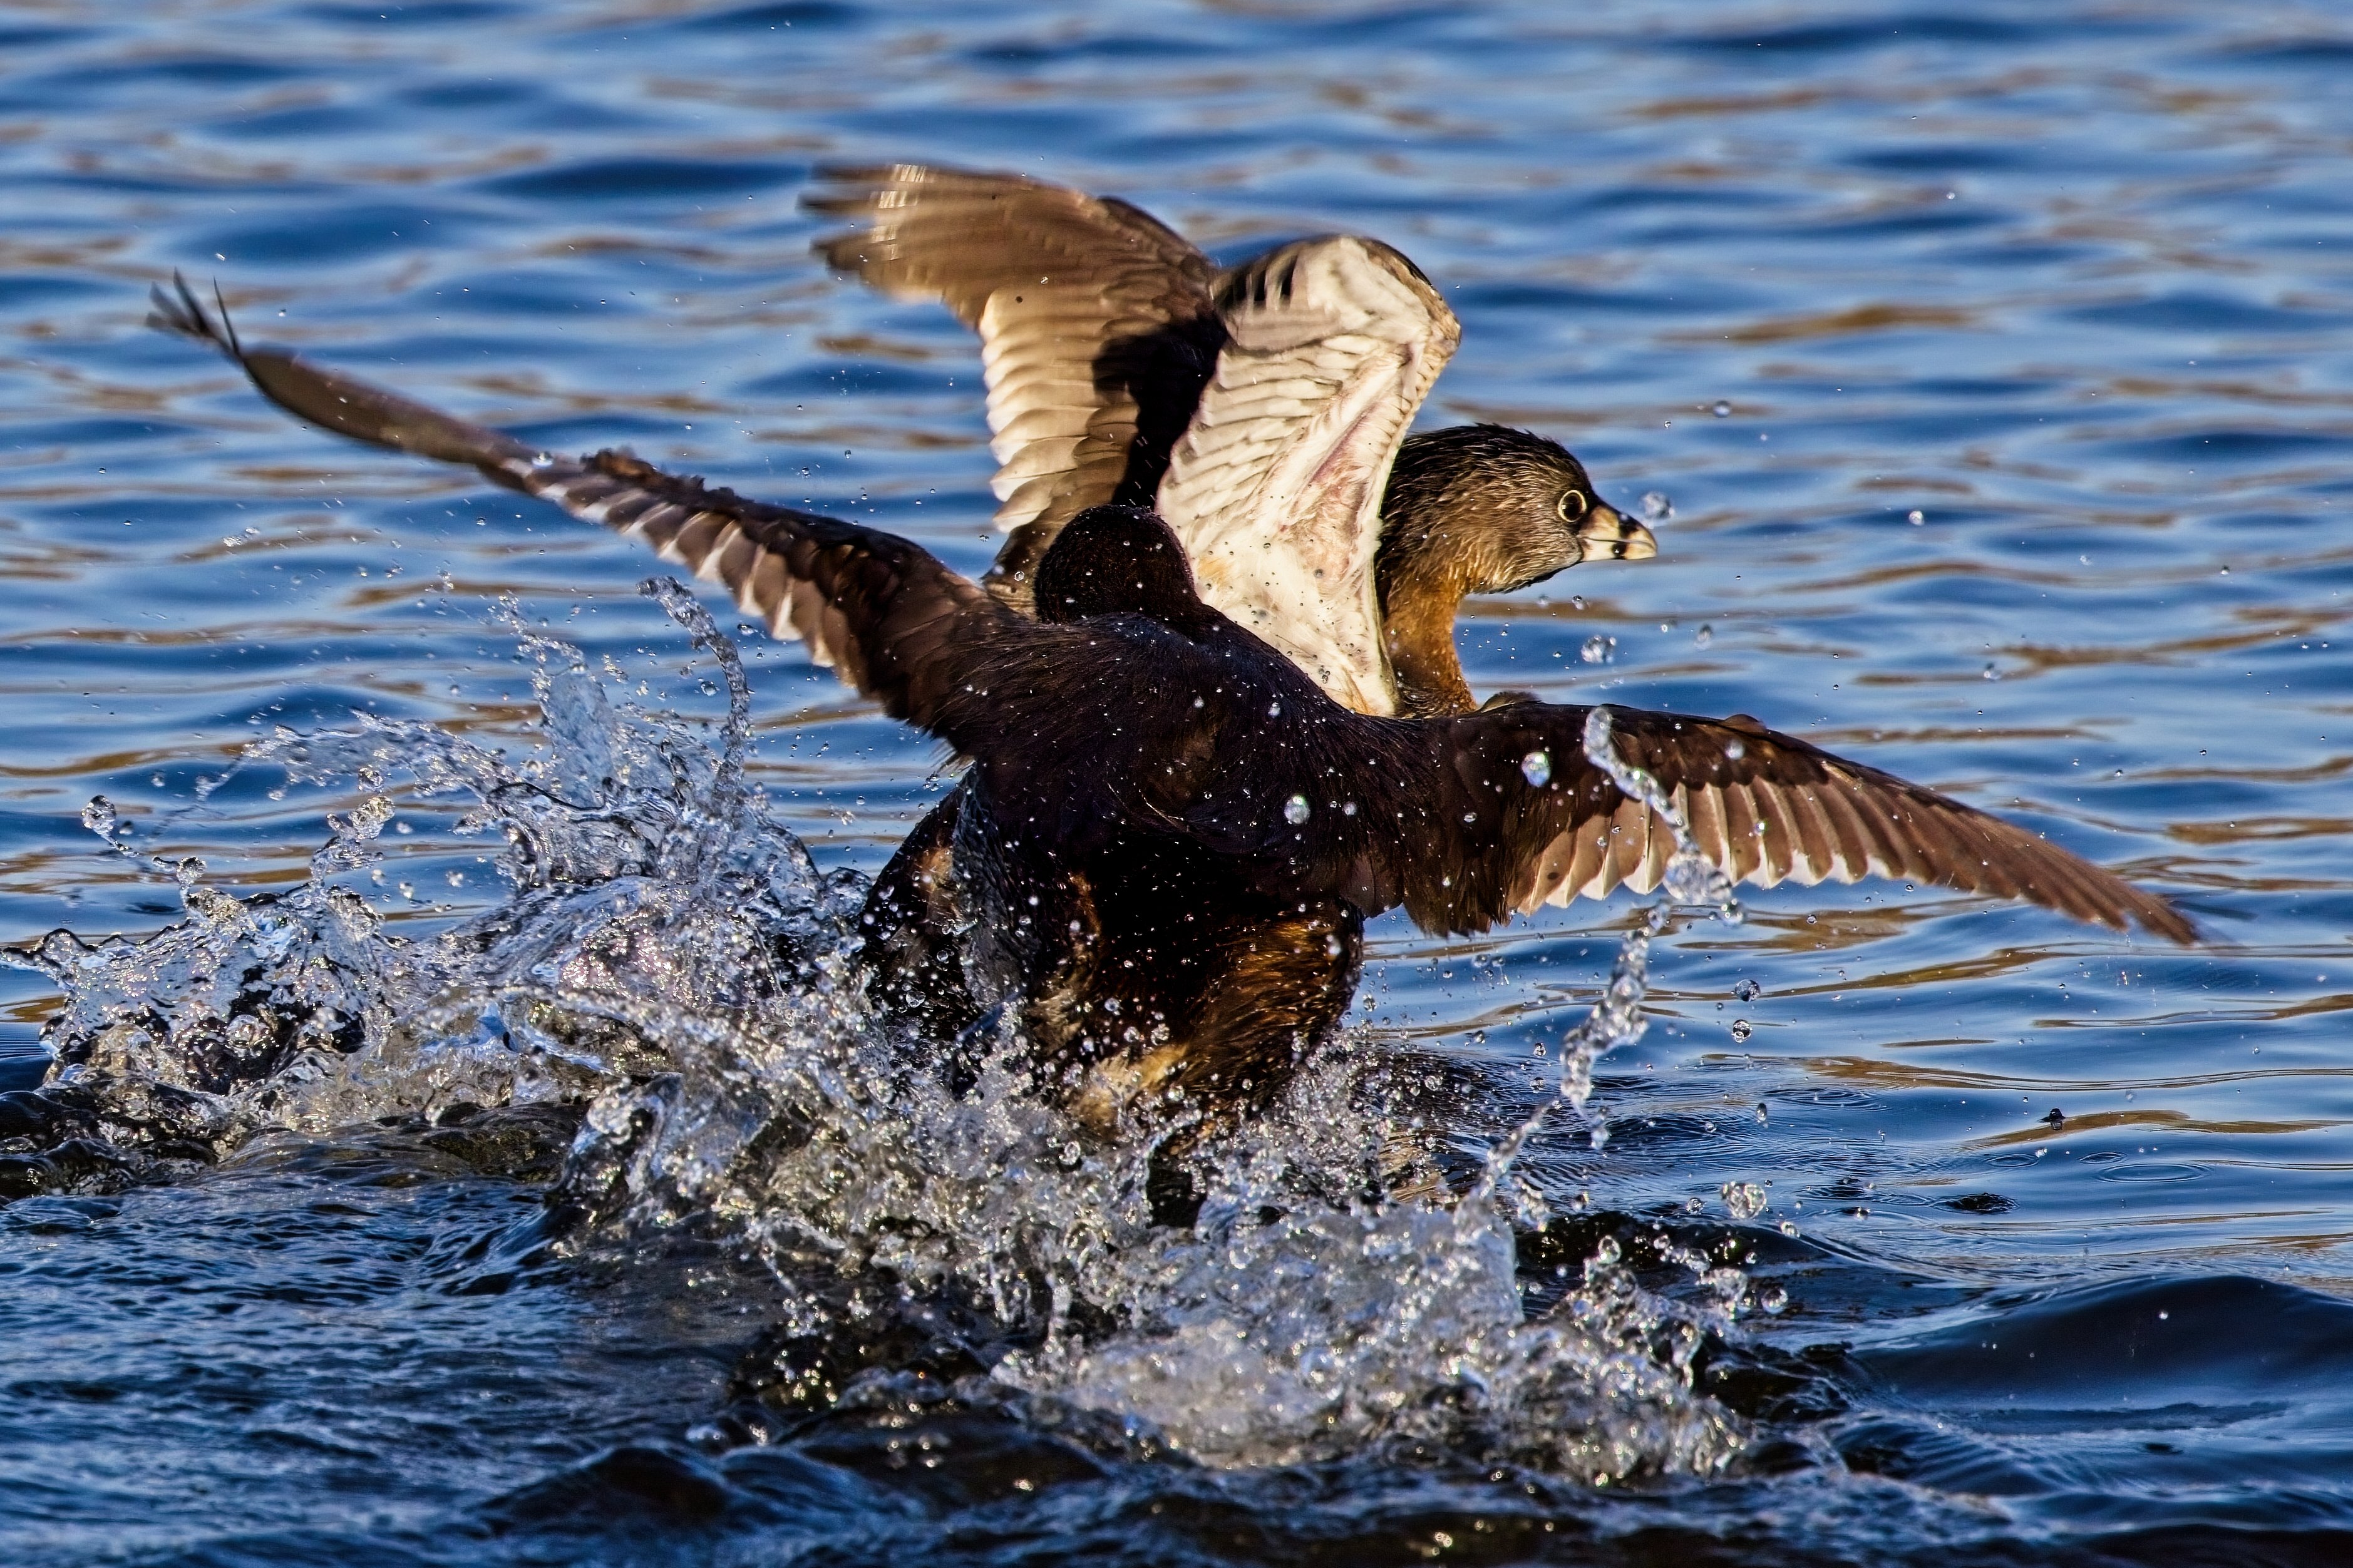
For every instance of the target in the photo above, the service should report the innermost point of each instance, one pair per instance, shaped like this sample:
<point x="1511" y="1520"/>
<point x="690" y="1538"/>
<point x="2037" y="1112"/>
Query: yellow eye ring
<point x="1573" y="505"/>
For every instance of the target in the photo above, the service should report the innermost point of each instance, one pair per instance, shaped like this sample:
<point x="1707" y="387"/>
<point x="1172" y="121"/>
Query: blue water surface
<point x="1995" y="359"/>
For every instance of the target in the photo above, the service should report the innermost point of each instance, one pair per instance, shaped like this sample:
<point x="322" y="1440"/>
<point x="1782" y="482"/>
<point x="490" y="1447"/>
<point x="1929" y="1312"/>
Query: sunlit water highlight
<point x="1996" y="364"/>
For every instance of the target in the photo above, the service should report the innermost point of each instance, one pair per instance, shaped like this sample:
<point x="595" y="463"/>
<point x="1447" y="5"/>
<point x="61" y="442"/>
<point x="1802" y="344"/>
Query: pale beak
<point x="1605" y="533"/>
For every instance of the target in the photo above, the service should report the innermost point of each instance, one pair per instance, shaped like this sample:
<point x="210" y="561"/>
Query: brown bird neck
<point x="1422" y="583"/>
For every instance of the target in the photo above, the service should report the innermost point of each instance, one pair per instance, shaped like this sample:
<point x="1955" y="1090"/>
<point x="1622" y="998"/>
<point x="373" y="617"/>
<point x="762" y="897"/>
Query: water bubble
<point x="1721" y="409"/>
<point x="1743" y="1200"/>
<point x="370" y="815"/>
<point x="1741" y="1029"/>
<point x="100" y="816"/>
<point x="1747" y="991"/>
<point x="1536" y="768"/>
<point x="1597" y="649"/>
<point x="1916" y="517"/>
<point x="1692" y="879"/>
<point x="211" y="905"/>
<point x="1704" y="637"/>
<point x="1295" y="810"/>
<point x="1773" y="1300"/>
<point x="1657" y="507"/>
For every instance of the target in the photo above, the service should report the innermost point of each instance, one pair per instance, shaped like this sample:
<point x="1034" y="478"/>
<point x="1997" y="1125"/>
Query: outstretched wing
<point x="1469" y="820"/>
<point x="1276" y="488"/>
<point x="1096" y="324"/>
<point x="895" y="622"/>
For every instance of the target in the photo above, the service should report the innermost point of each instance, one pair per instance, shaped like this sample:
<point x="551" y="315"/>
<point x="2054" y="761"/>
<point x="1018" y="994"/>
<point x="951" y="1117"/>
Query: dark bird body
<point x="1262" y="409"/>
<point x="1179" y="835"/>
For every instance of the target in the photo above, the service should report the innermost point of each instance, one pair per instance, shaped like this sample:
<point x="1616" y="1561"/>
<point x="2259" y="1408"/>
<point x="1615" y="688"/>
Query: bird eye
<point x="1573" y="505"/>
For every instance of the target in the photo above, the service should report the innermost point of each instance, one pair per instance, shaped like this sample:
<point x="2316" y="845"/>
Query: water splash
<point x="668" y="961"/>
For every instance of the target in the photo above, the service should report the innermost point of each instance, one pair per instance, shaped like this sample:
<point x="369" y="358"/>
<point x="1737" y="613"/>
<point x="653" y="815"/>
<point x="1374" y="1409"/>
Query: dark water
<point x="1998" y="360"/>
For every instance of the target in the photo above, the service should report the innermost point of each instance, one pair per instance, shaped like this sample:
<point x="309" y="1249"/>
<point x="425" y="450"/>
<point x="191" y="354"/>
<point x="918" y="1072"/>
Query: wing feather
<point x="1276" y="487"/>
<point x="1096" y="322"/>
<point x="1491" y="842"/>
<point x="897" y="624"/>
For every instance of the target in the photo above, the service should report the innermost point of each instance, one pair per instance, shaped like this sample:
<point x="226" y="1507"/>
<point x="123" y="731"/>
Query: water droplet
<point x="1656" y="507"/>
<point x="1741" y="1029"/>
<point x="1704" y="637"/>
<point x="1536" y="768"/>
<point x="369" y="816"/>
<point x="1916" y="517"/>
<point x="1597" y="649"/>
<point x="1743" y="1200"/>
<point x="1274" y="710"/>
<point x="1991" y="673"/>
<point x="1774" y="1300"/>
<point x="1295" y="810"/>
<point x="99" y="816"/>
<point x="1788" y="1227"/>
<point x="1747" y="991"/>
<point x="1722" y="410"/>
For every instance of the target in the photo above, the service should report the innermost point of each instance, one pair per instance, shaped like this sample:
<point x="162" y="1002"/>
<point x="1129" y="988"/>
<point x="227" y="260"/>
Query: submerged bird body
<point x="1172" y="833"/>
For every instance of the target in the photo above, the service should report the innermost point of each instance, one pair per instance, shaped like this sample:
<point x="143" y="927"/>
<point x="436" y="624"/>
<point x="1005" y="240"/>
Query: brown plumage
<point x="1126" y="367"/>
<point x="1172" y="837"/>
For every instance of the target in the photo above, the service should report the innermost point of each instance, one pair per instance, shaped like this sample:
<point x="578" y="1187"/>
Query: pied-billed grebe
<point x="1173" y="836"/>
<point x="1258" y="409"/>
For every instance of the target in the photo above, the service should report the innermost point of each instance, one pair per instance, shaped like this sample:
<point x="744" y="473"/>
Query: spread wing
<point x="1765" y="807"/>
<point x="1467" y="821"/>
<point x="888" y="616"/>
<point x="1096" y="324"/>
<point x="1276" y="487"/>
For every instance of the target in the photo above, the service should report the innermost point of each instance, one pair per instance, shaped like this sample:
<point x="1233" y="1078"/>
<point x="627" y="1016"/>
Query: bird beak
<point x="1605" y="533"/>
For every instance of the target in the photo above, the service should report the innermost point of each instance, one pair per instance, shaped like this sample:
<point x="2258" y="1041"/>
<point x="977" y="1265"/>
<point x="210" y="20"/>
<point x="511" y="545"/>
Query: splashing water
<point x="668" y="964"/>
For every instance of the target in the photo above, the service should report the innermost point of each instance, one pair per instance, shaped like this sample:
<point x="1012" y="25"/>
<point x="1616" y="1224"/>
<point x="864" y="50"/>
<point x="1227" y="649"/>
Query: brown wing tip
<point x="2077" y="888"/>
<point x="850" y="190"/>
<point x="2159" y="917"/>
<point x="182" y="312"/>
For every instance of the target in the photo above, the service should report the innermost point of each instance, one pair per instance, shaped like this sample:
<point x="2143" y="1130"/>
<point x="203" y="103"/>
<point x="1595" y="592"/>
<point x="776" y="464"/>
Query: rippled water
<point x="1996" y="360"/>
